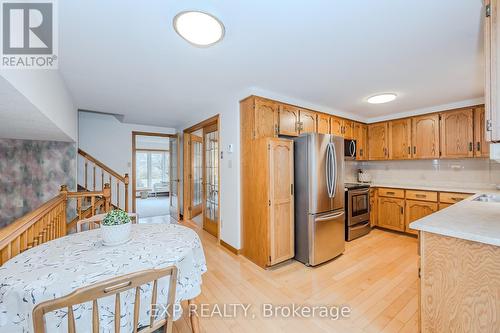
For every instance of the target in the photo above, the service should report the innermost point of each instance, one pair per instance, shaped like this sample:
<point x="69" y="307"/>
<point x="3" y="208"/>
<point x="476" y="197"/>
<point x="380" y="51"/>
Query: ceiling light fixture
<point x="382" y="98"/>
<point x="199" y="28"/>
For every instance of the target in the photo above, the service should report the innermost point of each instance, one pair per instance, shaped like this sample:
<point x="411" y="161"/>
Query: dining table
<point x="61" y="266"/>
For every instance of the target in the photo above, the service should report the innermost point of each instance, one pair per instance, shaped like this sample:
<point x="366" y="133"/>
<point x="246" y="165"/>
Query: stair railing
<point x="49" y="221"/>
<point x="96" y="174"/>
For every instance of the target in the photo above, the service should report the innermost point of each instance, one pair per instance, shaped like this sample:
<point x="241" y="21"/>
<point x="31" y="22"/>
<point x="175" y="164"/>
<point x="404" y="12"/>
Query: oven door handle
<point x="356" y="192"/>
<point x="359" y="226"/>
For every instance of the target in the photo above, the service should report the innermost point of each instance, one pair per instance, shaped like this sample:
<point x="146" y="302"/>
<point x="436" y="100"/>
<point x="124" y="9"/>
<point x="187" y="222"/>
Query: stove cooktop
<point x="353" y="186"/>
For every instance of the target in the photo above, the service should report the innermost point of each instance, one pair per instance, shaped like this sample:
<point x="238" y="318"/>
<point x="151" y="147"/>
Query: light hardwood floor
<point x="376" y="277"/>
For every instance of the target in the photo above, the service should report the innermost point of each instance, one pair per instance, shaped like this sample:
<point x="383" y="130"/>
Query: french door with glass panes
<point x="211" y="180"/>
<point x="196" y="182"/>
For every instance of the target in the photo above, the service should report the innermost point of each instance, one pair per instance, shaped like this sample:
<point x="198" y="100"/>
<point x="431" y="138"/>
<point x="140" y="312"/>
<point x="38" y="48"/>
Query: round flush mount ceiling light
<point x="382" y="98"/>
<point x="199" y="28"/>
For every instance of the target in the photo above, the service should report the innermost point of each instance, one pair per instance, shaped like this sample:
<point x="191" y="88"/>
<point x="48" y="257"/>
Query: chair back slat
<point x="137" y="307"/>
<point x="95" y="317"/>
<point x="71" y="320"/>
<point x="117" y="313"/>
<point x="114" y="287"/>
<point x="153" y="303"/>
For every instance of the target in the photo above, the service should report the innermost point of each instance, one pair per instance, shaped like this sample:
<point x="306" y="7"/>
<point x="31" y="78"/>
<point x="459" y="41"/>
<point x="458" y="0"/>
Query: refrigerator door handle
<point x="334" y="170"/>
<point x="329" y="169"/>
<point x="328" y="217"/>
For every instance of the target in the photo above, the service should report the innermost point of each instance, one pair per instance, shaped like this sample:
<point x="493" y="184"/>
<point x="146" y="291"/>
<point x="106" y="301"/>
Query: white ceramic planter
<point x="115" y="234"/>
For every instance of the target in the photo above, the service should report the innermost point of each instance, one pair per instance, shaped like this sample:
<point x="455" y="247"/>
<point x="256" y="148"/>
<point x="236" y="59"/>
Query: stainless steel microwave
<point x="349" y="149"/>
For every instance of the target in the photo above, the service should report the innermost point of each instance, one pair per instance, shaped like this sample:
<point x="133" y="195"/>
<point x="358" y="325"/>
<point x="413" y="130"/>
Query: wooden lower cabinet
<point x="444" y="205"/>
<point x="416" y="210"/>
<point x="391" y="213"/>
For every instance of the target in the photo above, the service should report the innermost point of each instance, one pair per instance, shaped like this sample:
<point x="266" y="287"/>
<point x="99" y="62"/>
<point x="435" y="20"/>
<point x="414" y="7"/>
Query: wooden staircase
<point x="99" y="191"/>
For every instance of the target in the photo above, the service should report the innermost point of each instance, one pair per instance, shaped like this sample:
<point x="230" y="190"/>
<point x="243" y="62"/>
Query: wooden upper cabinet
<point x="289" y="120"/>
<point x="348" y="129"/>
<point x="457" y="134"/>
<point x="307" y="121"/>
<point x="378" y="141"/>
<point x="391" y="213"/>
<point x="425" y="136"/>
<point x="481" y="146"/>
<point x="400" y="139"/>
<point x="265" y="123"/>
<point x="336" y="126"/>
<point x="323" y="123"/>
<point x="360" y="133"/>
<point x="492" y="69"/>
<point x="281" y="222"/>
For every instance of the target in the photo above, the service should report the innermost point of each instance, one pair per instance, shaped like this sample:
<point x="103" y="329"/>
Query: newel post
<point x="107" y="197"/>
<point x="126" y="180"/>
<point x="64" y="192"/>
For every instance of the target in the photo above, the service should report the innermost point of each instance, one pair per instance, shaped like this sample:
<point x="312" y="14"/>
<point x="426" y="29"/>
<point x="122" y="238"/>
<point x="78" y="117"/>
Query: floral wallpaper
<point x="31" y="173"/>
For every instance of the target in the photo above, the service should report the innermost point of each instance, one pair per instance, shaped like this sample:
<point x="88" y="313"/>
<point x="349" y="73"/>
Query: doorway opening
<point x="201" y="175"/>
<point x="155" y="175"/>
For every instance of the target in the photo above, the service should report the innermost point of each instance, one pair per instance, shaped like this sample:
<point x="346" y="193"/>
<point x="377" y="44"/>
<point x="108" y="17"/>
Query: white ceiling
<point x="124" y="57"/>
<point x="20" y="119"/>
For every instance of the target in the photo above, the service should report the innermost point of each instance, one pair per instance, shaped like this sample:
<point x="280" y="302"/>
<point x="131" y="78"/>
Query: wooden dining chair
<point x="95" y="222"/>
<point x="111" y="287"/>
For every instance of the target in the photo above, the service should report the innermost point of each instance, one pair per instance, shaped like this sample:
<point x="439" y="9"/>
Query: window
<point x="152" y="168"/>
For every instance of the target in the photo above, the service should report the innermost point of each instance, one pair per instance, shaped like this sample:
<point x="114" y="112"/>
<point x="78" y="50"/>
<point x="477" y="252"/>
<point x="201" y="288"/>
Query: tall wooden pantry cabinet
<point x="267" y="188"/>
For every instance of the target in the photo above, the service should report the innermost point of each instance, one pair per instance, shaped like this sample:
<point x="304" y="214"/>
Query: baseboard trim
<point x="229" y="247"/>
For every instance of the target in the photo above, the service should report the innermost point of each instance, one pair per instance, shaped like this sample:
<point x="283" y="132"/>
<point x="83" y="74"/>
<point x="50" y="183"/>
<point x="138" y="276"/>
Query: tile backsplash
<point x="461" y="173"/>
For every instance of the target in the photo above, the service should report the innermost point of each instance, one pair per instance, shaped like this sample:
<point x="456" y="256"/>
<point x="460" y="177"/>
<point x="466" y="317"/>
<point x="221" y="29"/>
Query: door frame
<point x="186" y="198"/>
<point x="134" y="150"/>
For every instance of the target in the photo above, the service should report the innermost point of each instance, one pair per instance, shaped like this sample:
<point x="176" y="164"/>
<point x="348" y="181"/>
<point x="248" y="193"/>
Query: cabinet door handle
<point x="391" y="193"/>
<point x="409" y="150"/>
<point x="291" y="189"/>
<point x="414" y="150"/>
<point x="479" y="146"/>
<point x="470" y="146"/>
<point x="402" y="211"/>
<point x="456" y="199"/>
<point x="421" y="196"/>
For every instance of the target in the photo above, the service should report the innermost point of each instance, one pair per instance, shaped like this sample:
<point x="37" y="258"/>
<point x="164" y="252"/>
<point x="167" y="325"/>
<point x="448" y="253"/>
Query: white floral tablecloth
<point x="59" y="267"/>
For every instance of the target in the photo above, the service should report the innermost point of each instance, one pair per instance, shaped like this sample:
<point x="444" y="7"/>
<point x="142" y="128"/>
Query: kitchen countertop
<point x="470" y="220"/>
<point x="440" y="188"/>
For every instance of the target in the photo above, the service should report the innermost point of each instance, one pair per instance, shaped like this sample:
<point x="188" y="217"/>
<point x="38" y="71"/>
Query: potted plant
<point x="115" y="227"/>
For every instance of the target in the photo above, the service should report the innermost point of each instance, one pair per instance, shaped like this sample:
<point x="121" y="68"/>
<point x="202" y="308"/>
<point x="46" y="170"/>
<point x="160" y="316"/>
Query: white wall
<point x="110" y="141"/>
<point x="230" y="176"/>
<point x="47" y="91"/>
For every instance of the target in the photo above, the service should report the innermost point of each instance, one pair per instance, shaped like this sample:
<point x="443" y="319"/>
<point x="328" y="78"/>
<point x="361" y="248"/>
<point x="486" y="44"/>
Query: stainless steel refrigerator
<point x="319" y="198"/>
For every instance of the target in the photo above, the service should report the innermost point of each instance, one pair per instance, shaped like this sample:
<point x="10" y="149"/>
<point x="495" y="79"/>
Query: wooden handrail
<point x="111" y="173"/>
<point x="45" y="223"/>
<point x="20" y="225"/>
<point x="102" y="165"/>
<point x="49" y="221"/>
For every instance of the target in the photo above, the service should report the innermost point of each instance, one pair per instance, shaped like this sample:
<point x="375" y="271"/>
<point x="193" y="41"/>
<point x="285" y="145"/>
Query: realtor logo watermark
<point x="29" y="34"/>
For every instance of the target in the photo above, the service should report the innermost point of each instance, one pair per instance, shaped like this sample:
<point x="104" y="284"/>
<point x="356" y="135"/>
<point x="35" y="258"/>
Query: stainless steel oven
<point x="357" y="211"/>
